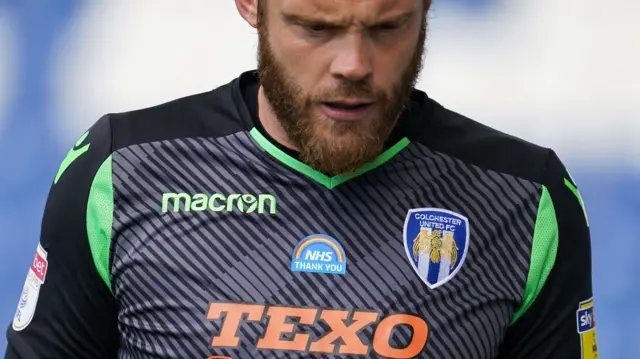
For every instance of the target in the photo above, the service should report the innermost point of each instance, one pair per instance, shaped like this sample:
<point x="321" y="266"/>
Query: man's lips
<point x="347" y="109"/>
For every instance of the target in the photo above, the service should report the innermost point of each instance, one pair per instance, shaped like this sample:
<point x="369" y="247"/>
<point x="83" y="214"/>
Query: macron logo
<point x="243" y="203"/>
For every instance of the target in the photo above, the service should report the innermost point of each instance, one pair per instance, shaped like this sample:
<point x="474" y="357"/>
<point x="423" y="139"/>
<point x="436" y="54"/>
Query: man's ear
<point x="248" y="9"/>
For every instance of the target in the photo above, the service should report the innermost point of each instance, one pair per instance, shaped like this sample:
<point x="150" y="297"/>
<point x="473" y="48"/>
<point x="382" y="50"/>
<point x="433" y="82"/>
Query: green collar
<point x="329" y="182"/>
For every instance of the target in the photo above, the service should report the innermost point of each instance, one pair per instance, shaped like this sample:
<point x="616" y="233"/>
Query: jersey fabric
<point x="185" y="231"/>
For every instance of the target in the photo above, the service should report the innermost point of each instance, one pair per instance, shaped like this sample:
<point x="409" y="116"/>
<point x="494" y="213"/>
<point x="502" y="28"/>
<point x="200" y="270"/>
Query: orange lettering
<point x="352" y="343"/>
<point x="229" y="328"/>
<point x="344" y="325"/>
<point x="382" y="336"/>
<point x="277" y="326"/>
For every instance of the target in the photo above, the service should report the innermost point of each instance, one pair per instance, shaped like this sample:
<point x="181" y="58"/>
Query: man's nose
<point x="353" y="59"/>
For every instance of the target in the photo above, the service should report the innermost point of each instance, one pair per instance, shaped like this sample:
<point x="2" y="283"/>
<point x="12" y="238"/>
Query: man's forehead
<point x="348" y="10"/>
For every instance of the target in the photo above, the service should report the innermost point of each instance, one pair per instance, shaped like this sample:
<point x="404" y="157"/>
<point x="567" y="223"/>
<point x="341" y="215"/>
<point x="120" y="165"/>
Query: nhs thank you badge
<point x="319" y="253"/>
<point x="436" y="241"/>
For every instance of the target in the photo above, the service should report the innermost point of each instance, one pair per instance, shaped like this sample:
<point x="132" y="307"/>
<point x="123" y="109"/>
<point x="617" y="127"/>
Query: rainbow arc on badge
<point x="319" y="253"/>
<point x="320" y="239"/>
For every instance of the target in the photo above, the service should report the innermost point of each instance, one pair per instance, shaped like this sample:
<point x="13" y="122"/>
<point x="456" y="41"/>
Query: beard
<point x="328" y="146"/>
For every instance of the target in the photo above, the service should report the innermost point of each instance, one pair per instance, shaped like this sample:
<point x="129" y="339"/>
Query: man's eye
<point x="316" y="27"/>
<point x="387" y="27"/>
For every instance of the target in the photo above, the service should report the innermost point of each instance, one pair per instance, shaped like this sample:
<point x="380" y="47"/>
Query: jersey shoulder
<point x="455" y="135"/>
<point x="214" y="113"/>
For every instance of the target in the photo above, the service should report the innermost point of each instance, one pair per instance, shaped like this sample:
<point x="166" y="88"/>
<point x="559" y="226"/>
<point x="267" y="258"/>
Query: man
<point x="319" y="207"/>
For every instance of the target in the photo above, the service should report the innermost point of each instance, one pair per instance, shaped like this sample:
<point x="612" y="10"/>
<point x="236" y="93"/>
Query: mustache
<point x="349" y="90"/>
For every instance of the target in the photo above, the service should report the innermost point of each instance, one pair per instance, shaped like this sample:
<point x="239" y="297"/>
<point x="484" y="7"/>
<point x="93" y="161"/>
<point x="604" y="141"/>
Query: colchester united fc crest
<point x="436" y="241"/>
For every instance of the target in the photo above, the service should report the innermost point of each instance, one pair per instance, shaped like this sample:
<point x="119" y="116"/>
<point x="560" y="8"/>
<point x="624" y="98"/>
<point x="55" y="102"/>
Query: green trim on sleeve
<point x="576" y="193"/>
<point x="543" y="252"/>
<point x="73" y="155"/>
<point x="100" y="219"/>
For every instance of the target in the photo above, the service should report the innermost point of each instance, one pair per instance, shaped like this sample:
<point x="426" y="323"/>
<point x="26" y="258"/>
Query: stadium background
<point x="562" y="73"/>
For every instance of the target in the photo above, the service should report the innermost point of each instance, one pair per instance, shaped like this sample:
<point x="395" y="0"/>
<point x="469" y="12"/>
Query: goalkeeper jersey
<point x="185" y="231"/>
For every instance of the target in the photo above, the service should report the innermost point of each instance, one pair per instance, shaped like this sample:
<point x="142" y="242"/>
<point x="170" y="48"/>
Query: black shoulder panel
<point x="215" y="113"/>
<point x="458" y="136"/>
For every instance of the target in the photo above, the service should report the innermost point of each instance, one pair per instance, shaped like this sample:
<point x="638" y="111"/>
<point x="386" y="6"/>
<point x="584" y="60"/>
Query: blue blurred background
<point x="562" y="73"/>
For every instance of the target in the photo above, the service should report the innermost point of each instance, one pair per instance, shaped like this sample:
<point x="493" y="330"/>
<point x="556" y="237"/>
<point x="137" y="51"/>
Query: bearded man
<point x="319" y="206"/>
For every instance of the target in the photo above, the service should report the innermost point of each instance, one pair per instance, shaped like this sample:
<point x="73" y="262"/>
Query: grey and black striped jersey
<point x="185" y="231"/>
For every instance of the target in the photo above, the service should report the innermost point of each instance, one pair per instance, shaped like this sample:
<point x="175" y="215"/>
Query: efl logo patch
<point x="587" y="330"/>
<point x="436" y="241"/>
<point x="319" y="253"/>
<point x="31" y="290"/>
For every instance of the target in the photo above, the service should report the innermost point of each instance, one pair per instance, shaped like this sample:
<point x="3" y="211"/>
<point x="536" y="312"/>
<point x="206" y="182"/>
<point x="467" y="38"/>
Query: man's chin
<point x="339" y="154"/>
<point x="344" y="141"/>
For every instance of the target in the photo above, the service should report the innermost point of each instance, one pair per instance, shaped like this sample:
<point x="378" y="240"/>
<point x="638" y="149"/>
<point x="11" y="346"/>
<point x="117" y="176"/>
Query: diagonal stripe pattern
<point x="168" y="267"/>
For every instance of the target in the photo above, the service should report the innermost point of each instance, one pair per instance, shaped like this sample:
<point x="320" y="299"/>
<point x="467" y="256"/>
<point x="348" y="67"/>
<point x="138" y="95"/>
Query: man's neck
<point x="270" y="122"/>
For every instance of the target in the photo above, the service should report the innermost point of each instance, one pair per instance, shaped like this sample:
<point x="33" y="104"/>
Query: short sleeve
<point x="66" y="308"/>
<point x="556" y="318"/>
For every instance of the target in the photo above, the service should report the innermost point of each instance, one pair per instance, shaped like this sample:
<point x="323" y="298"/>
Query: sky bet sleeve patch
<point x="587" y="330"/>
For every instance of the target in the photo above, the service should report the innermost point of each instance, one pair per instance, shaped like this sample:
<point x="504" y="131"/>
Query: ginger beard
<point x="326" y="145"/>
